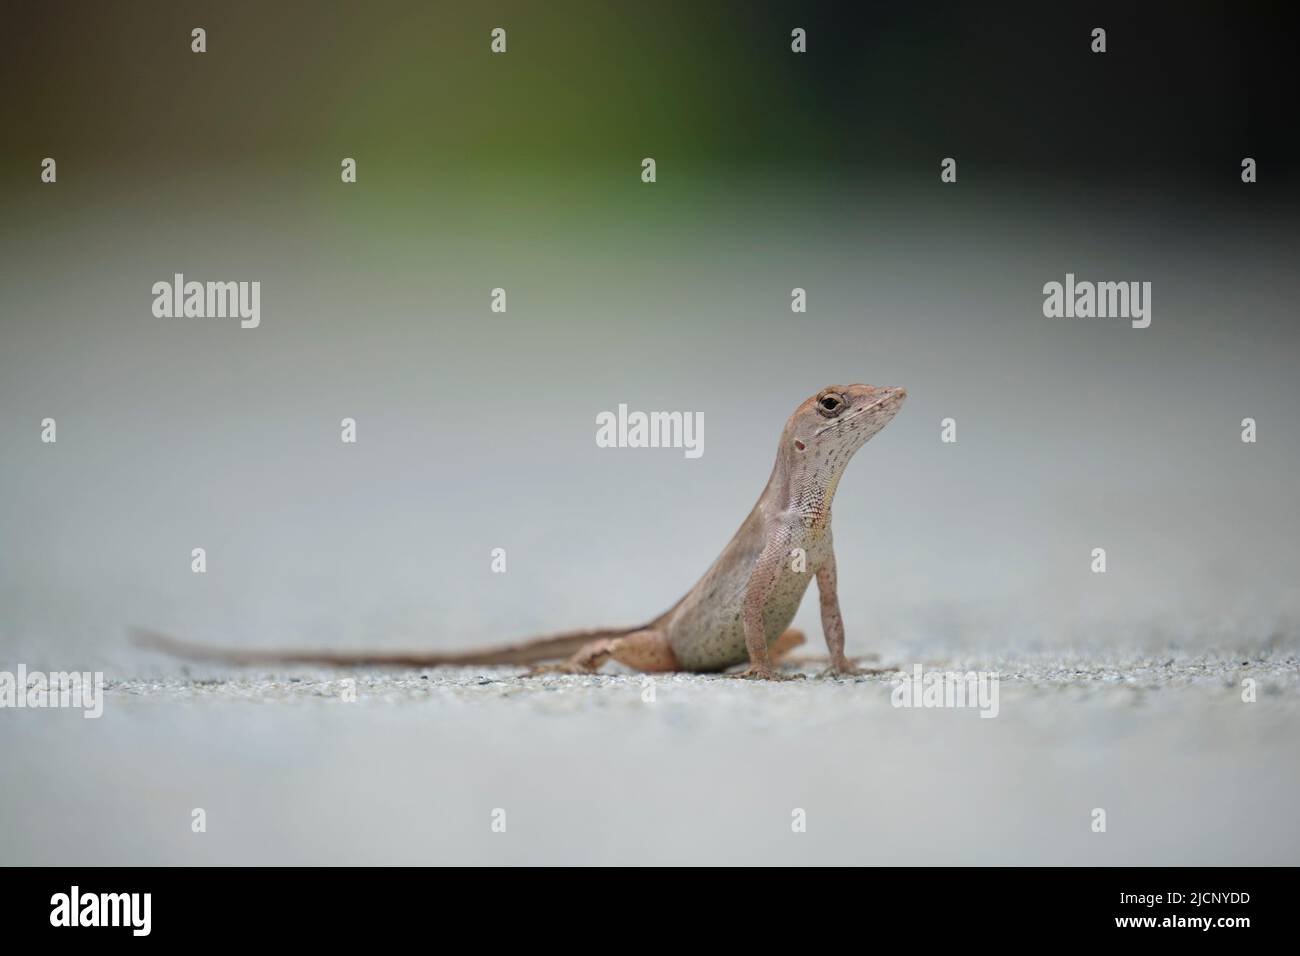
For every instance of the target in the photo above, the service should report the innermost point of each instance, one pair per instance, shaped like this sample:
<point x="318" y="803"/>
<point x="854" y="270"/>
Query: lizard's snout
<point x="893" y="395"/>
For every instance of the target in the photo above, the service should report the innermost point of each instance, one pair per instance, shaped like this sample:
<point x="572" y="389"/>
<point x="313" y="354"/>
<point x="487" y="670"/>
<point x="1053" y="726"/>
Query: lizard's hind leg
<point x="646" y="650"/>
<point x="780" y="648"/>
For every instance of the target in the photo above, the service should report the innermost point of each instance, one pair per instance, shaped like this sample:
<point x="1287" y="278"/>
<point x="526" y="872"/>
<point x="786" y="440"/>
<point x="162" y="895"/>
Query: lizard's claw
<point x="762" y="673"/>
<point x="848" y="669"/>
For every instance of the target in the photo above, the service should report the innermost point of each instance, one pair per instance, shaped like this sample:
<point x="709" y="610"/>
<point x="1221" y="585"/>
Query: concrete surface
<point x="702" y="770"/>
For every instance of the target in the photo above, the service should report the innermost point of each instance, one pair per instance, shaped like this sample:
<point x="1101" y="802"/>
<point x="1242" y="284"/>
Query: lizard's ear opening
<point x="800" y="445"/>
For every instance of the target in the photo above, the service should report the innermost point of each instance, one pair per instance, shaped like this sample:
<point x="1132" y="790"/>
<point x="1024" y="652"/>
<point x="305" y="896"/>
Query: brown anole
<point x="739" y="611"/>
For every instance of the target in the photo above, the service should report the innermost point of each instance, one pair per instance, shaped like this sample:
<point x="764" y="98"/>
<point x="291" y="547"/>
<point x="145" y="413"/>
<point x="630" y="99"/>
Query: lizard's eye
<point x="830" y="405"/>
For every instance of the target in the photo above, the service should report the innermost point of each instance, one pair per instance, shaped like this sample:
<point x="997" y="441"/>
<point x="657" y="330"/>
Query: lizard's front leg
<point x="762" y="581"/>
<point x="832" y="622"/>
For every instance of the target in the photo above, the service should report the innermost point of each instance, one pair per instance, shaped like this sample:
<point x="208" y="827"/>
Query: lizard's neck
<point x="805" y="484"/>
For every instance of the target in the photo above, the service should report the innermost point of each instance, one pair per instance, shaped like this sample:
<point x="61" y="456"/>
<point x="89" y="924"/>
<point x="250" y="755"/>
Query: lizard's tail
<point x="551" y="648"/>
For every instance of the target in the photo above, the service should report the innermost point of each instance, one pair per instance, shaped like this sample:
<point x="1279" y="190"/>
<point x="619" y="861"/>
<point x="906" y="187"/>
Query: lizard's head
<point x="839" y="419"/>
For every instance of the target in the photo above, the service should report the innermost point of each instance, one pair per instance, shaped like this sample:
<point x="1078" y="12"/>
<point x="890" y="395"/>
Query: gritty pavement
<point x="1046" y="674"/>
<point x="309" y="766"/>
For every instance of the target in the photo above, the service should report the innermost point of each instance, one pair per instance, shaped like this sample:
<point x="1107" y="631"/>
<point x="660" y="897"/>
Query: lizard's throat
<point x="812" y="490"/>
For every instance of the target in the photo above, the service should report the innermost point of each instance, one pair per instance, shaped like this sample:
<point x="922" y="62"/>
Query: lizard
<point x="740" y="610"/>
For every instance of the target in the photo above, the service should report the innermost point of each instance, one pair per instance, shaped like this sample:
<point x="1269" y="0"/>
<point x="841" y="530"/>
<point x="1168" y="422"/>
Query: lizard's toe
<point x="762" y="673"/>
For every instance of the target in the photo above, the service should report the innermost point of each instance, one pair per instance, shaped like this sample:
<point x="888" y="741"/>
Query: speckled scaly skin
<point x="740" y="609"/>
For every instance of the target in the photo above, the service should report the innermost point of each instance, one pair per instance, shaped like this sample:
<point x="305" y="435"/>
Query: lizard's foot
<point x="586" y="661"/>
<point x="847" y="668"/>
<point x="565" y="667"/>
<point x="753" y="672"/>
